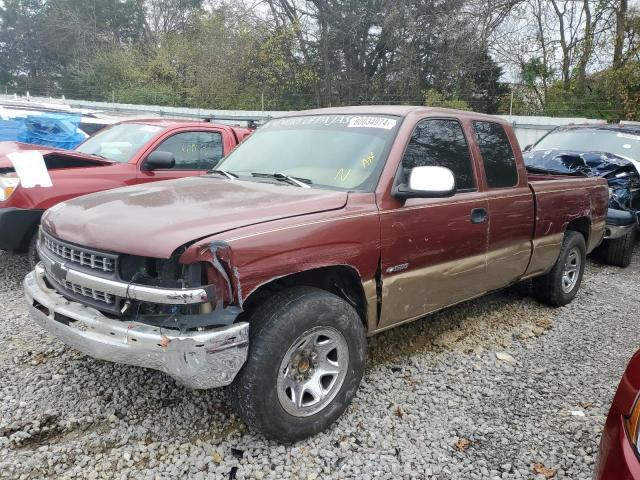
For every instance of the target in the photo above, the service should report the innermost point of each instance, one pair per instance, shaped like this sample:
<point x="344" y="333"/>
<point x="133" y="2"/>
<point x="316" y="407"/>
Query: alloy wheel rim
<point x="312" y="371"/>
<point x="571" y="270"/>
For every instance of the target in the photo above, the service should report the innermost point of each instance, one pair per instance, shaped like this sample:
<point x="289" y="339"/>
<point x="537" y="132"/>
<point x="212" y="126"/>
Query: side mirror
<point x="159" y="161"/>
<point x="427" y="182"/>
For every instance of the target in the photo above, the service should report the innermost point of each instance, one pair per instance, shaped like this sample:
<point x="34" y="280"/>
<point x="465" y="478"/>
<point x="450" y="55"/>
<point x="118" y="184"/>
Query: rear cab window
<point x="497" y="155"/>
<point x="440" y="142"/>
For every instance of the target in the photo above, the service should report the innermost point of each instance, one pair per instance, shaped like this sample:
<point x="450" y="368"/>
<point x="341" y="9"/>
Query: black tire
<point x="618" y="252"/>
<point x="549" y="288"/>
<point x="277" y="326"/>
<point x="32" y="251"/>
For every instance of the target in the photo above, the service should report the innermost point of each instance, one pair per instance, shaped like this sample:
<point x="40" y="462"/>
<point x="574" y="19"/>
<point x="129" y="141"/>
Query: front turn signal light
<point x="8" y="185"/>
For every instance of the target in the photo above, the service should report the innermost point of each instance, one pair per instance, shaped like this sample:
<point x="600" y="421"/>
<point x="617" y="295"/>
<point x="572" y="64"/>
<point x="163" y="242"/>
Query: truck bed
<point x="561" y="199"/>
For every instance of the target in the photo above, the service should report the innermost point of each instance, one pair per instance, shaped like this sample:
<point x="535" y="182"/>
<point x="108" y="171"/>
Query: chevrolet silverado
<point x="267" y="275"/>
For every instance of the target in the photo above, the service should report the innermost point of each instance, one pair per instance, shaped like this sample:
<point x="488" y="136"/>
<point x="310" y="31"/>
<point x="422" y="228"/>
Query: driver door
<point x="195" y="153"/>
<point x="434" y="249"/>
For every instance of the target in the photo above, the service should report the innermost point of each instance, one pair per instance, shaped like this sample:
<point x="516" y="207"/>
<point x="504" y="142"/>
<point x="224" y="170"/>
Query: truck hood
<point x="154" y="220"/>
<point x="54" y="158"/>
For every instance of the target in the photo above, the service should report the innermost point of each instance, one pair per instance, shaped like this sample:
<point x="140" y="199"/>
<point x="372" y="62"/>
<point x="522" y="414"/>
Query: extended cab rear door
<point x="195" y="151"/>
<point x="433" y="249"/>
<point x="511" y="205"/>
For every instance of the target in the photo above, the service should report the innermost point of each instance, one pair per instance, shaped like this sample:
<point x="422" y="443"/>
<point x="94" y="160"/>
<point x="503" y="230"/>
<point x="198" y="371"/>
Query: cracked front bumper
<point x="201" y="360"/>
<point x="619" y="223"/>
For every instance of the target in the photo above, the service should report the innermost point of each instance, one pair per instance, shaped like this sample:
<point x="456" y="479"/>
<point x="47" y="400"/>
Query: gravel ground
<point x="436" y="402"/>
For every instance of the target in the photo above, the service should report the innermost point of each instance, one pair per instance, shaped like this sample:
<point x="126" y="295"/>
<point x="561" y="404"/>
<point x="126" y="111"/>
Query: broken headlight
<point x="8" y="185"/>
<point x="170" y="273"/>
<point x="165" y="273"/>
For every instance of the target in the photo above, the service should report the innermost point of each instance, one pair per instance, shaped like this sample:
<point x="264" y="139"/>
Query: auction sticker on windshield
<point x="372" y="122"/>
<point x="334" y="121"/>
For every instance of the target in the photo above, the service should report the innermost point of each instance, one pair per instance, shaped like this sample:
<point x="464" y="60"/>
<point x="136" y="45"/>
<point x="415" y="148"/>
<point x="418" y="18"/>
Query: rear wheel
<point x="307" y="357"/>
<point x="618" y="251"/>
<point x="560" y="285"/>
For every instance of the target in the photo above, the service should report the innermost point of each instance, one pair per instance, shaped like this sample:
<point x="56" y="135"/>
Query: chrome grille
<point x="90" y="292"/>
<point x="96" y="295"/>
<point x="79" y="256"/>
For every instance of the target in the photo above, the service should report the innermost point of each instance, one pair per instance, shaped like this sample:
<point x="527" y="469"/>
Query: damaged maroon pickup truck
<point x="267" y="275"/>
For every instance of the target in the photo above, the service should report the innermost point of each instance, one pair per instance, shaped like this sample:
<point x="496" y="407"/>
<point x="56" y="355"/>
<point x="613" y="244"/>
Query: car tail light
<point x="632" y="423"/>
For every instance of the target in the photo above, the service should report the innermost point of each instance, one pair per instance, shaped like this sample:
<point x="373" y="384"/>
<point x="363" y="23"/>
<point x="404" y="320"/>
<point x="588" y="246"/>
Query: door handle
<point x="479" y="215"/>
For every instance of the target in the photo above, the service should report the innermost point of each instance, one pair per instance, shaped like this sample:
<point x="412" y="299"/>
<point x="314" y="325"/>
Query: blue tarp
<point x="50" y="129"/>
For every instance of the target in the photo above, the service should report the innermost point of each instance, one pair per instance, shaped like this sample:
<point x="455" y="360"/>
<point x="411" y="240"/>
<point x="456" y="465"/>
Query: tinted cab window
<point x="440" y="143"/>
<point x="194" y="150"/>
<point x="497" y="155"/>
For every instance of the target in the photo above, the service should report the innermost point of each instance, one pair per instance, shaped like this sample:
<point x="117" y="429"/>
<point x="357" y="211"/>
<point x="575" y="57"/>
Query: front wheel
<point x="561" y="284"/>
<point x="306" y="358"/>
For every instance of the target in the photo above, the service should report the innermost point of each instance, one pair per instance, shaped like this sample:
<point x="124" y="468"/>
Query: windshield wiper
<point x="298" y="182"/>
<point x="224" y="173"/>
<point x="101" y="156"/>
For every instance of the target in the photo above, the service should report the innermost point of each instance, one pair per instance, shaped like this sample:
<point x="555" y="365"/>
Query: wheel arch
<point x="343" y="281"/>
<point x="581" y="225"/>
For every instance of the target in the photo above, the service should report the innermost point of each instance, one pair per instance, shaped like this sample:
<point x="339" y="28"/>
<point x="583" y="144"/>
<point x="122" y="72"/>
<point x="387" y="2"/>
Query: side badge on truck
<point x="397" y="268"/>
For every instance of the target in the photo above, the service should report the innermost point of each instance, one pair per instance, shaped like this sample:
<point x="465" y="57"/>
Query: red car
<point x="127" y="153"/>
<point x="619" y="458"/>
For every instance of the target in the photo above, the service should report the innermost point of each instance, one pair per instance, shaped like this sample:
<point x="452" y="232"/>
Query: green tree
<point x="24" y="59"/>
<point x="40" y="39"/>
<point x="433" y="98"/>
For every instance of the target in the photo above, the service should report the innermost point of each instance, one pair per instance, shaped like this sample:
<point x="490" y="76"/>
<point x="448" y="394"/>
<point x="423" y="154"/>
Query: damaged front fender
<point x="221" y="272"/>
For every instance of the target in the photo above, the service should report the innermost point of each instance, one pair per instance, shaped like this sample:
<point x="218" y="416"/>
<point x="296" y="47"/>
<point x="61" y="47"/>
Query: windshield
<point x="120" y="142"/>
<point x="345" y="152"/>
<point x="592" y="140"/>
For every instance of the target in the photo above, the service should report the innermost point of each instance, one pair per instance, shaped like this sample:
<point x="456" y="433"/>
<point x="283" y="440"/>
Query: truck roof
<point x="163" y="122"/>
<point x="240" y="132"/>
<point x="398" y="110"/>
